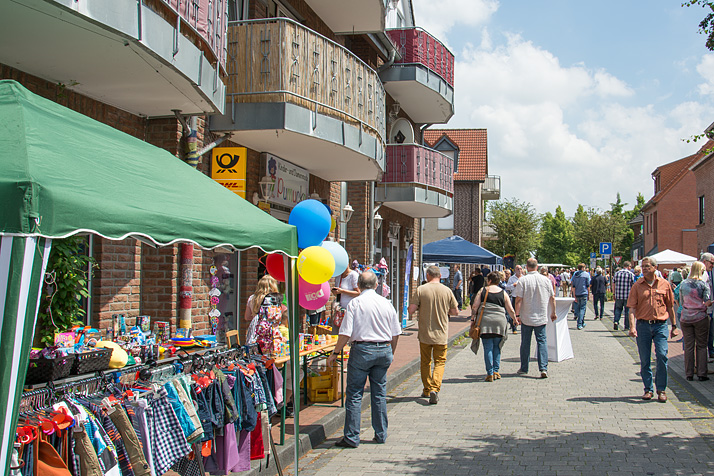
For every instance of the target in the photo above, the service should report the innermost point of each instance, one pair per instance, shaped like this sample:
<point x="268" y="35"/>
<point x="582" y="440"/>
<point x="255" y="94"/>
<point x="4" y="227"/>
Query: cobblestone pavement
<point x="586" y="418"/>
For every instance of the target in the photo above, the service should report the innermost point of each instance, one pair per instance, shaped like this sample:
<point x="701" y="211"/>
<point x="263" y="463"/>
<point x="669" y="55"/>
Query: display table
<point x="559" y="346"/>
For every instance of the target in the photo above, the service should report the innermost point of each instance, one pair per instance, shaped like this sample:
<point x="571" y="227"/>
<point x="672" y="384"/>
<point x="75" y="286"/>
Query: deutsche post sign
<point x="228" y="168"/>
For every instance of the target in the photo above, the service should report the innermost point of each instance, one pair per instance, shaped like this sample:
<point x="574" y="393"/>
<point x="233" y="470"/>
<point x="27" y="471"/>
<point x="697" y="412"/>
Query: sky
<point x="581" y="100"/>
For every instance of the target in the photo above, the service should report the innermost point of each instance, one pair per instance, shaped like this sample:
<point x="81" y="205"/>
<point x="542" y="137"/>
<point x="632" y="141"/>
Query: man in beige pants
<point x="435" y="303"/>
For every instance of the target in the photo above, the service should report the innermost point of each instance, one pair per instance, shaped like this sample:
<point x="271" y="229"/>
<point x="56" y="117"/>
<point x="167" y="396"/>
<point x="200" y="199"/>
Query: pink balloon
<point x="313" y="296"/>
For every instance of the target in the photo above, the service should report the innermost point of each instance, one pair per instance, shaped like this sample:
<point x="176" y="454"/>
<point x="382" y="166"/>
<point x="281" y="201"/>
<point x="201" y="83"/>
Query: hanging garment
<point x="184" y="419"/>
<point x="278" y="386"/>
<point x="131" y="441"/>
<point x="137" y="413"/>
<point x="110" y="429"/>
<point x="88" y="462"/>
<point x="231" y="411"/>
<point x="167" y="439"/>
<point x="49" y="462"/>
<point x="190" y="407"/>
<point x="257" y="448"/>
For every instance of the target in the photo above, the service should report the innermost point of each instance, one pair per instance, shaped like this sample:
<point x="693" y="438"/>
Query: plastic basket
<point x="47" y="370"/>
<point x="91" y="361"/>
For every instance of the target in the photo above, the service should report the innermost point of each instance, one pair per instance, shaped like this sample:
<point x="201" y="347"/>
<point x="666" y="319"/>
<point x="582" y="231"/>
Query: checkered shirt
<point x="624" y="279"/>
<point x="167" y="438"/>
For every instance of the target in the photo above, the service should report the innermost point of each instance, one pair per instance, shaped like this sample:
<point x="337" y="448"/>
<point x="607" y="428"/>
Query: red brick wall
<point x="677" y="210"/>
<point x="705" y="186"/>
<point x="356" y="241"/>
<point x="467" y="211"/>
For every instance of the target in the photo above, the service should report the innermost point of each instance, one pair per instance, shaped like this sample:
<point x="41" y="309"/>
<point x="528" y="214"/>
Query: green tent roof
<point x="64" y="173"/>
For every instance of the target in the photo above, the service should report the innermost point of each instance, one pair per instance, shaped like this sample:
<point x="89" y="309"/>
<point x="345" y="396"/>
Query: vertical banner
<point x="407" y="282"/>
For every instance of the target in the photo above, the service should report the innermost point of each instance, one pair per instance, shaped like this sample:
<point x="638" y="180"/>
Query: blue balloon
<point x="312" y="221"/>
<point x="340" y="255"/>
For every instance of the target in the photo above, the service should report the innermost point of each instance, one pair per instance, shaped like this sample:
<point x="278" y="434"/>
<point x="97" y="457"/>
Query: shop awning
<point x="458" y="250"/>
<point x="62" y="173"/>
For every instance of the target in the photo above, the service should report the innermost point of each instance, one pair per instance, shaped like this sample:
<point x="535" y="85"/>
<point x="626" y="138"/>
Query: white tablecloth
<point x="559" y="346"/>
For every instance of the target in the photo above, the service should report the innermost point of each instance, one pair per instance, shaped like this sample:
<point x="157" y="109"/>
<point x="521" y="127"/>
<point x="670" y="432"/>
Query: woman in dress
<point x="494" y="326"/>
<point x="695" y="297"/>
<point x="266" y="285"/>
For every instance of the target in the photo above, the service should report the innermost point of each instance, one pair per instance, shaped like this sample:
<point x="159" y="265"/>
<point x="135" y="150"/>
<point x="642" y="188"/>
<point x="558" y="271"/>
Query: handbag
<point x="475" y="329"/>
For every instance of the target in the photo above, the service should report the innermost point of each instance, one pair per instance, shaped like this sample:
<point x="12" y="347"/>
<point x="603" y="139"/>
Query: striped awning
<point x="23" y="261"/>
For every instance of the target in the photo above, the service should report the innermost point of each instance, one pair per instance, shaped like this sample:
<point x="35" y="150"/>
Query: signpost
<point x="605" y="248"/>
<point x="617" y="259"/>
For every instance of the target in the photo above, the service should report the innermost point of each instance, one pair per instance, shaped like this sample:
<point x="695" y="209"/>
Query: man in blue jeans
<point x="651" y="302"/>
<point x="534" y="293"/>
<point x="580" y="283"/>
<point x="372" y="328"/>
<point x="623" y="279"/>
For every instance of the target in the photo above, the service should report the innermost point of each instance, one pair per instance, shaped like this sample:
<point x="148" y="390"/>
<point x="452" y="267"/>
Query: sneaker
<point x="615" y="326"/>
<point x="496" y="376"/>
<point x="515" y="331"/>
<point x="434" y="398"/>
<point x="580" y="328"/>
<point x="522" y="372"/>
<point x="344" y="444"/>
<point x="543" y="374"/>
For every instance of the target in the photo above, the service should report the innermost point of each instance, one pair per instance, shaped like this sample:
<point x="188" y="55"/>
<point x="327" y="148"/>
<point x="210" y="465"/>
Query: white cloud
<point x="439" y="17"/>
<point x="706" y="69"/>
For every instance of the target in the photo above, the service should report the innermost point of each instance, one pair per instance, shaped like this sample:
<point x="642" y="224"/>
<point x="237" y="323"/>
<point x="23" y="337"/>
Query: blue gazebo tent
<point x="458" y="250"/>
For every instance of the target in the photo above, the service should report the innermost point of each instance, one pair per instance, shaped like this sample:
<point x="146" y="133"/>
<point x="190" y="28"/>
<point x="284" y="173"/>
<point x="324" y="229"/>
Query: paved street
<point x="587" y="418"/>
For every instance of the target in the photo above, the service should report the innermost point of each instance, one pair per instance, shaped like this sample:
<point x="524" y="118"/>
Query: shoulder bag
<point x="475" y="330"/>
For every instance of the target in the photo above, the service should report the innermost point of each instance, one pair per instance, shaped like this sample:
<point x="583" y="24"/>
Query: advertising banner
<point x="290" y="182"/>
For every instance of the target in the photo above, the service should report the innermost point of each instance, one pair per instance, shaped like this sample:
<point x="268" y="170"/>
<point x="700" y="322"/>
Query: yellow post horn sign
<point x="228" y="166"/>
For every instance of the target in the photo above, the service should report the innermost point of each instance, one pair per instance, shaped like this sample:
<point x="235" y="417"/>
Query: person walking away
<point x="494" y="325"/>
<point x="459" y="286"/>
<point x="372" y="328"/>
<point x="266" y="286"/>
<point x="508" y="287"/>
<point x="580" y="283"/>
<point x="650" y="304"/>
<point x="708" y="260"/>
<point x="695" y="297"/>
<point x="533" y="294"/>
<point x="475" y="284"/>
<point x="565" y="282"/>
<point x="598" y="286"/>
<point x="345" y="290"/>
<point x="544" y="271"/>
<point x="675" y="277"/>
<point x="678" y="302"/>
<point x="435" y="303"/>
<point x="623" y="279"/>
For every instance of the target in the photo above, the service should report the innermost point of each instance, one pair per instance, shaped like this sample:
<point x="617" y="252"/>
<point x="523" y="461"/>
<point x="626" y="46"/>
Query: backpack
<point x="266" y="330"/>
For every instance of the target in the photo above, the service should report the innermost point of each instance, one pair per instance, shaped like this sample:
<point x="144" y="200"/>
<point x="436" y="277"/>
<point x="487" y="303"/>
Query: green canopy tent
<point x="62" y="173"/>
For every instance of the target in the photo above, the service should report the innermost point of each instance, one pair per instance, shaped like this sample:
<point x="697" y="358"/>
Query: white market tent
<point x="669" y="257"/>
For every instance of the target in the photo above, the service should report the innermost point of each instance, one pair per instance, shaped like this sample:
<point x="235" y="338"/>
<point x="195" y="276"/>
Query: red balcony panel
<point x="416" y="164"/>
<point x="416" y="46"/>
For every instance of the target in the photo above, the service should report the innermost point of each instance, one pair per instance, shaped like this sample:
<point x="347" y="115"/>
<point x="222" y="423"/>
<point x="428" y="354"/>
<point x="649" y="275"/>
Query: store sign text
<point x="290" y="182"/>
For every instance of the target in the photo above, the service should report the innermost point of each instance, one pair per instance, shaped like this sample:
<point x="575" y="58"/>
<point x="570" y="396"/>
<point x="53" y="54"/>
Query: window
<point x="237" y="10"/>
<point x="701" y="210"/>
<point x="656" y="185"/>
<point x="654" y="226"/>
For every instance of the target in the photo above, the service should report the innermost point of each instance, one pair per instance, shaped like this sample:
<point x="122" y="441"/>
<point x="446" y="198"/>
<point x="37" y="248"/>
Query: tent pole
<point x="23" y="261"/>
<point x="291" y="281"/>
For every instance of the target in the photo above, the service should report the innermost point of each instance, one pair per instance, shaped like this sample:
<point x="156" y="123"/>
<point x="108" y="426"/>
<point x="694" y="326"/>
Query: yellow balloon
<point x="315" y="264"/>
<point x="332" y="225"/>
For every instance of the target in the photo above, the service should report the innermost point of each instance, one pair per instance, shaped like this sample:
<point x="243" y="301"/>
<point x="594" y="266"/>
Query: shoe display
<point x="543" y="374"/>
<point x="661" y="396"/>
<point x="496" y="376"/>
<point x="344" y="444"/>
<point x="615" y="326"/>
<point x="489" y="378"/>
<point x="433" y="398"/>
<point x="647" y="396"/>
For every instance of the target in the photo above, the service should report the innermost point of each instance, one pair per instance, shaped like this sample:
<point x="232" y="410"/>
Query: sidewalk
<point x="319" y="421"/>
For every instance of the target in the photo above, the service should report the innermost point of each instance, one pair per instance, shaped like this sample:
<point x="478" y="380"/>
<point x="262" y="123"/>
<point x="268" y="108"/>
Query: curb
<point x="317" y="433"/>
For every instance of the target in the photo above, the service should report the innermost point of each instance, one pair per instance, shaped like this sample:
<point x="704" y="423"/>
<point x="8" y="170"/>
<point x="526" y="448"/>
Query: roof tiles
<point x="473" y="150"/>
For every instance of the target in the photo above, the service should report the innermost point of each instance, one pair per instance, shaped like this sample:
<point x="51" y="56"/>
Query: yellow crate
<point x="324" y="394"/>
<point x="324" y="380"/>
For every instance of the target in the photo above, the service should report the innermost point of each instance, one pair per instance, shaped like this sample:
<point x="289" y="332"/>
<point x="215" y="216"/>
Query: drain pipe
<point x="390" y="61"/>
<point x="372" y="211"/>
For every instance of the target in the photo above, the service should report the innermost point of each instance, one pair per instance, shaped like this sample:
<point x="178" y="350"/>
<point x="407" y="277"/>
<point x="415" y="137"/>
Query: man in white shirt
<point x="534" y="293"/>
<point x="372" y="328"/>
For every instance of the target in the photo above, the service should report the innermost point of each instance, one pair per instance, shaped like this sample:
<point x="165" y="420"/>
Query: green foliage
<point x="706" y="26"/>
<point x="556" y="238"/>
<point x="516" y="224"/>
<point x="61" y="306"/>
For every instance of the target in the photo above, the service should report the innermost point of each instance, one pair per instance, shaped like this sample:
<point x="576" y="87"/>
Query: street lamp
<point x="347" y="211"/>
<point x="394" y="228"/>
<point x="408" y="235"/>
<point x="265" y="186"/>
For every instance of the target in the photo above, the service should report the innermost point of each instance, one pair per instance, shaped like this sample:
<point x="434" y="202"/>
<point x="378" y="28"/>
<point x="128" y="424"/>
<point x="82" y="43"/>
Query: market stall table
<point x="559" y="346"/>
<point x="322" y="352"/>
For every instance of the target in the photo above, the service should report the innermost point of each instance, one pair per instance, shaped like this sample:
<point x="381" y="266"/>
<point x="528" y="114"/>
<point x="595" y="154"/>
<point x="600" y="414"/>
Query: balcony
<point x="491" y="188"/>
<point x="422" y="81"/>
<point x="487" y="232"/>
<point x="418" y="182"/>
<point x="302" y="97"/>
<point x="144" y="57"/>
<point x="350" y="17"/>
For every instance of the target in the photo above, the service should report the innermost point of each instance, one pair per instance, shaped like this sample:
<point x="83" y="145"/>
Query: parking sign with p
<point x="605" y="248"/>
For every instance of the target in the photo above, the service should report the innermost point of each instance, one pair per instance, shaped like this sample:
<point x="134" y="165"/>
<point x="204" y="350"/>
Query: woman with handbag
<point x="489" y="324"/>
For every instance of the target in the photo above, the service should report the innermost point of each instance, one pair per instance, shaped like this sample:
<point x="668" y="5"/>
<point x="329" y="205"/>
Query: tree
<point x="706" y="26"/>
<point x="516" y="224"/>
<point x="556" y="238"/>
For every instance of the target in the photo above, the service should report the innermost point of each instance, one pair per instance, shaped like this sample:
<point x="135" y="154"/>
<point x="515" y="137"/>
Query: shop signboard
<point x="290" y="182"/>
<point x="228" y="168"/>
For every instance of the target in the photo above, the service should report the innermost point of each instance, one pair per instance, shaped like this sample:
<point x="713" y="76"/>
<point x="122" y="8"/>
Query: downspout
<point x="390" y="61"/>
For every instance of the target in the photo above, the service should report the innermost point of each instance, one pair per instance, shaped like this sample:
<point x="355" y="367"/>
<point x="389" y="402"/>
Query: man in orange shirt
<point x="650" y="303"/>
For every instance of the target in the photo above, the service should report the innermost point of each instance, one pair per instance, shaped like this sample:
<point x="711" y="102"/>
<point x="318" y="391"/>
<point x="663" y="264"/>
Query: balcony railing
<point x="416" y="46"/>
<point x="411" y="163"/>
<point x="491" y="189"/>
<point x="207" y="19"/>
<point x="279" y="60"/>
<point x="487" y="231"/>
